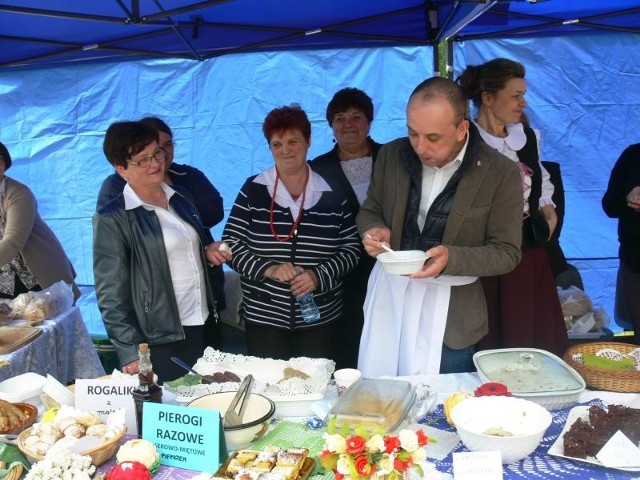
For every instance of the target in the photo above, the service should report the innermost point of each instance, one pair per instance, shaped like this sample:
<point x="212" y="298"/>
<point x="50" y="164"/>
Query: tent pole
<point x="449" y="44"/>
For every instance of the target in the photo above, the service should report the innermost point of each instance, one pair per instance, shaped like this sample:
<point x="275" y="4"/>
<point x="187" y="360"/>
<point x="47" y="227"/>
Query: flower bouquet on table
<point x="362" y="455"/>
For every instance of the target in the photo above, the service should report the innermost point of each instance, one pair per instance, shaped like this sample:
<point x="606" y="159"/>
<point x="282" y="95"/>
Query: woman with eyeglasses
<point x="150" y="256"/>
<point x="194" y="184"/>
<point x="206" y="197"/>
<point x="31" y="257"/>
<point x="348" y="166"/>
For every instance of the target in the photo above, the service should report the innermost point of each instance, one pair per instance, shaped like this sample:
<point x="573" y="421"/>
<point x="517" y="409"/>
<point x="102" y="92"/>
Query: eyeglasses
<point x="158" y="155"/>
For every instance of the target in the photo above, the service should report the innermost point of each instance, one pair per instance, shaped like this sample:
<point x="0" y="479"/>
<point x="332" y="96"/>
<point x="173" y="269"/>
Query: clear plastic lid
<point x="375" y="404"/>
<point x="527" y="370"/>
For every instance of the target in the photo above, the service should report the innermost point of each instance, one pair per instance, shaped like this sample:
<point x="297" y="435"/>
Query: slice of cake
<point x="233" y="468"/>
<point x="270" y="476"/>
<point x="289" y="472"/>
<point x="245" y="457"/>
<point x="289" y="458"/>
<point x="292" y="459"/>
<point x="247" y="474"/>
<point x="300" y="450"/>
<point x="576" y="439"/>
<point x="265" y="461"/>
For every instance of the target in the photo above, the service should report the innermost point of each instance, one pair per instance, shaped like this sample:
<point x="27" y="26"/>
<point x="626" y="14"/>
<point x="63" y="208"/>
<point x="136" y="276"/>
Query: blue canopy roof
<point x="53" y="31"/>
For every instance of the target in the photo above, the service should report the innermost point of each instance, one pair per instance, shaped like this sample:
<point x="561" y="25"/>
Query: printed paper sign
<point x="106" y="395"/>
<point x="190" y="438"/>
<point x="477" y="466"/>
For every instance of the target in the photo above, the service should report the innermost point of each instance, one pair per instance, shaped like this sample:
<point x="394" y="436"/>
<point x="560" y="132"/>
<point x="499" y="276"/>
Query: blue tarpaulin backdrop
<point x="582" y="91"/>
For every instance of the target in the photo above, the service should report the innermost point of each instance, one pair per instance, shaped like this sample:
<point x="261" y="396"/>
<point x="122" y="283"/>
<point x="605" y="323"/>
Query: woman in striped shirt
<point x="290" y="234"/>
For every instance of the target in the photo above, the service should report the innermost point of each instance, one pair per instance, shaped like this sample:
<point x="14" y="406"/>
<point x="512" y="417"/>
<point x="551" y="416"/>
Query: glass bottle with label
<point x="148" y="390"/>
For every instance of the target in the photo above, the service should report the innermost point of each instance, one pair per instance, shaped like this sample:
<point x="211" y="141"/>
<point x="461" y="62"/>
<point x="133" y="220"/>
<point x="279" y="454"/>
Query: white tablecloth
<point x="64" y="350"/>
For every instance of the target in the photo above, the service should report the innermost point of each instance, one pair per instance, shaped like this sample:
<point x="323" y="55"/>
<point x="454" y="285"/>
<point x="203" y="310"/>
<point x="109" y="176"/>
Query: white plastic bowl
<point x="403" y="262"/>
<point x="257" y="416"/>
<point x="526" y="421"/>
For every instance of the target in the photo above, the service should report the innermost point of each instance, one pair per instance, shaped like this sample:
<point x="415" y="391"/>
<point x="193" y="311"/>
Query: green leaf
<point x="403" y="455"/>
<point x="331" y="426"/>
<point x="185" y="381"/>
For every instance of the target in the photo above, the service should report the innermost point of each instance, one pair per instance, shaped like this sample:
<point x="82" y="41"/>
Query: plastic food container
<point x="26" y="388"/>
<point x="374" y="404"/>
<point x="299" y="406"/>
<point x="58" y="392"/>
<point x="532" y="374"/>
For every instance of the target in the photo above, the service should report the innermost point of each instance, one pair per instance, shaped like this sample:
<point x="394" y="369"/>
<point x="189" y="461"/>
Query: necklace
<point x="294" y="227"/>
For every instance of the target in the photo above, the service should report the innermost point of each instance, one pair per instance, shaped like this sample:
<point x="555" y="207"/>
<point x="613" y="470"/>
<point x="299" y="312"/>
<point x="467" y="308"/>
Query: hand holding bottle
<point x="308" y="308"/>
<point x="304" y="282"/>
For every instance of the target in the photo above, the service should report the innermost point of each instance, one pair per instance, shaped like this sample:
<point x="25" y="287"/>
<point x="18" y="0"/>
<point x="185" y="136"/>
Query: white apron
<point x="404" y="323"/>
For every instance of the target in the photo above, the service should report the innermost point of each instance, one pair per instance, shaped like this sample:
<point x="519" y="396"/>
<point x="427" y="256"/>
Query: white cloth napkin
<point x="404" y="323"/>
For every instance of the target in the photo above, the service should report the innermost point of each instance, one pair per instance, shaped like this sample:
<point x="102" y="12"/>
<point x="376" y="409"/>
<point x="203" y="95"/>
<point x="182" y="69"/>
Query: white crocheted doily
<point x="269" y="375"/>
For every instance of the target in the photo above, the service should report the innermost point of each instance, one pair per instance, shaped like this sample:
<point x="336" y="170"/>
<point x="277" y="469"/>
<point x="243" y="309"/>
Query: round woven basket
<point x="627" y="381"/>
<point x="99" y="454"/>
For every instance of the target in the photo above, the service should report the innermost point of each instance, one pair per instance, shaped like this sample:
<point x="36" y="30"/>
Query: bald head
<point x="443" y="88"/>
<point x="436" y="121"/>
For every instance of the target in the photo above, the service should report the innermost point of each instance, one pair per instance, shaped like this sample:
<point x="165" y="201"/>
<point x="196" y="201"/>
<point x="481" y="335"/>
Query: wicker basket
<point x="99" y="454"/>
<point x="605" y="379"/>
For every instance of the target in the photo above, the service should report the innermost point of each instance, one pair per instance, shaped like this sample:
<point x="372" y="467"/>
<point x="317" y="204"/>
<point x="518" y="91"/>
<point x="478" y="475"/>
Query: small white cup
<point x="345" y="377"/>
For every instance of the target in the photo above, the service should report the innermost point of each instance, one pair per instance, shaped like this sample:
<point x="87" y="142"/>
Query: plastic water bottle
<point x="308" y="308"/>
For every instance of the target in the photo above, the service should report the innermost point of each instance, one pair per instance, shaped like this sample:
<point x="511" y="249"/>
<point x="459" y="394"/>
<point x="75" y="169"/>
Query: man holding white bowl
<point x="443" y="191"/>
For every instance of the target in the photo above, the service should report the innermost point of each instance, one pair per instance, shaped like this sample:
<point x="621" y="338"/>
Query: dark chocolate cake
<point x="587" y="438"/>
<point x="576" y="439"/>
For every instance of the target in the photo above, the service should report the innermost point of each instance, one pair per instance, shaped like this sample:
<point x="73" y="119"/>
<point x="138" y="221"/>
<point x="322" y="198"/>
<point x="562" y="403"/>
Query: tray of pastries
<point x="271" y="463"/>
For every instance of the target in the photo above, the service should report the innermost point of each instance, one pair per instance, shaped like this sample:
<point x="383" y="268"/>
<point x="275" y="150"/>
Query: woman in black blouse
<point x="348" y="166"/>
